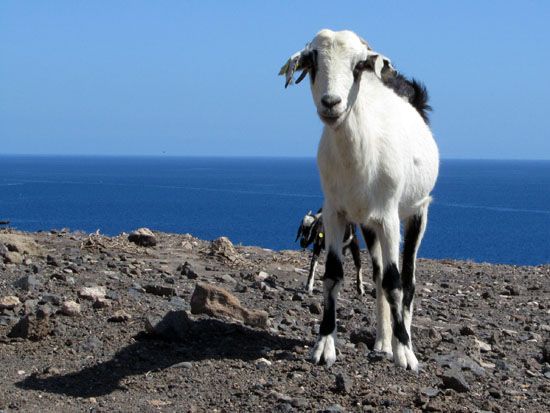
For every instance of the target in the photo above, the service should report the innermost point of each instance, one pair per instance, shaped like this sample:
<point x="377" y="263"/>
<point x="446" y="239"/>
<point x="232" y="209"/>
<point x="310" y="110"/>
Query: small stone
<point x="182" y="365"/>
<point x="430" y="391"/>
<point x="51" y="299"/>
<point x="262" y="276"/>
<point x="70" y="308"/>
<point x="297" y="297"/>
<point x="263" y="363"/>
<point x="52" y="261"/>
<point x="143" y="237"/>
<point x="102" y="303"/>
<point x="315" y="308"/>
<point x="119" y="316"/>
<point x="483" y="347"/>
<point x="92" y="293"/>
<point x="454" y="379"/>
<point x="335" y="408"/>
<point x="9" y="302"/>
<point x="467" y="331"/>
<point x="495" y="393"/>
<point x="343" y="383"/>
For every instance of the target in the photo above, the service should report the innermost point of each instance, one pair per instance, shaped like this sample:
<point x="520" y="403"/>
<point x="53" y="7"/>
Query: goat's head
<point x="335" y="61"/>
<point x="307" y="229"/>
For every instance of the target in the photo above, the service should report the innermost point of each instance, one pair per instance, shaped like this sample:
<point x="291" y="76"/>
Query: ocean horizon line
<point x="290" y="157"/>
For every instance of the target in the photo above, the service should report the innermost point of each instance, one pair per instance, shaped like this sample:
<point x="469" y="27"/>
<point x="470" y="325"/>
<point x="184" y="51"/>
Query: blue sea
<point x="485" y="211"/>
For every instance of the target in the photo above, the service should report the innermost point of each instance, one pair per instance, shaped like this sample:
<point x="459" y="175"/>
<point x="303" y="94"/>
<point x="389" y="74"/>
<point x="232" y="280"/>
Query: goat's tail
<point x="420" y="99"/>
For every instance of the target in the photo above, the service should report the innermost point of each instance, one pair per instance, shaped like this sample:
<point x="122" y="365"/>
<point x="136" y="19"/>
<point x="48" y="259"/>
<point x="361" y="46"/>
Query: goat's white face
<point x="335" y="61"/>
<point x="334" y="78"/>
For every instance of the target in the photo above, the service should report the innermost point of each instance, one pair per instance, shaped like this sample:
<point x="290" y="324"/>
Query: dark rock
<point x="160" y="290"/>
<point x="297" y="297"/>
<point x="143" y="237"/>
<point x="375" y="356"/>
<point x="32" y="327"/>
<point x="283" y="408"/>
<point x="364" y="336"/>
<point x="343" y="383"/>
<point x="467" y="331"/>
<point x="546" y="352"/>
<point x="52" y="261"/>
<point x="335" y="408"/>
<point x="495" y="393"/>
<point x="51" y="299"/>
<point x="454" y="379"/>
<point x="28" y="283"/>
<point x="188" y="271"/>
<point x="174" y="326"/>
<point x="315" y="308"/>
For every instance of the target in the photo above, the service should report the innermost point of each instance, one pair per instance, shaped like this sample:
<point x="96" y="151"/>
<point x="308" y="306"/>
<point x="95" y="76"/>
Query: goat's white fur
<point x="378" y="164"/>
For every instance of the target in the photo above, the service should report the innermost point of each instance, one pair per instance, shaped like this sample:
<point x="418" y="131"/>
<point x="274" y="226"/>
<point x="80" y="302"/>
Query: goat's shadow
<point x="204" y="339"/>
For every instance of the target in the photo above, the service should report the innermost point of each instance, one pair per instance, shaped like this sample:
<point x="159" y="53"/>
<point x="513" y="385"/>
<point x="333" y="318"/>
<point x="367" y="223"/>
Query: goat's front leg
<point x="356" y="254"/>
<point x="324" y="349"/>
<point x="313" y="267"/>
<point x="389" y="235"/>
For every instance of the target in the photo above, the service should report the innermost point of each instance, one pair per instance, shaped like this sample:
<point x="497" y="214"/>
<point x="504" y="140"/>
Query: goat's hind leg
<point x="414" y="231"/>
<point x="313" y="268"/>
<point x="383" y="314"/>
<point x="356" y="254"/>
<point x="324" y="349"/>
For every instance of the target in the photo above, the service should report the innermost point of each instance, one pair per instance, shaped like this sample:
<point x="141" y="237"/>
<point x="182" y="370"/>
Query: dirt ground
<point x="481" y="333"/>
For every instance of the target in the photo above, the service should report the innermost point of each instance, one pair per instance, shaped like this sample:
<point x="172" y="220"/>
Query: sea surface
<point x="485" y="211"/>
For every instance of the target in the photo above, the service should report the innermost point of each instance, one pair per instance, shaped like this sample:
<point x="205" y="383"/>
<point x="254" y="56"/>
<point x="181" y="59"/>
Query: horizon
<point x="195" y="79"/>
<point x="296" y="157"/>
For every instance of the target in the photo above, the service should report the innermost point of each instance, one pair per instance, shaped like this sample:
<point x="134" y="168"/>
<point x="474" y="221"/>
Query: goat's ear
<point x="299" y="233"/>
<point x="379" y="64"/>
<point x="298" y="61"/>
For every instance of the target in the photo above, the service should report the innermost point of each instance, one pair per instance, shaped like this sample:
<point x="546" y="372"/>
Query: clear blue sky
<point x="199" y="78"/>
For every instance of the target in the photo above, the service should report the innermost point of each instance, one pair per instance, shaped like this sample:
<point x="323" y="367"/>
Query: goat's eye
<point x="359" y="67"/>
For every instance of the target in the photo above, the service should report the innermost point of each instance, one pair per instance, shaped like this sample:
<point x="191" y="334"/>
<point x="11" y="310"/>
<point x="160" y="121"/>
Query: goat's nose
<point x="330" y="100"/>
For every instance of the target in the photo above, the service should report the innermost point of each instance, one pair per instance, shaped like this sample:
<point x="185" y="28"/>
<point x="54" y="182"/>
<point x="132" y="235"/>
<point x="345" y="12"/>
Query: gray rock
<point x="430" y="391"/>
<point x="92" y="293"/>
<point x="335" y="408"/>
<point x="454" y="379"/>
<point x="28" y="283"/>
<point x="51" y="299"/>
<point x="174" y="326"/>
<point x="91" y="344"/>
<point x="459" y="361"/>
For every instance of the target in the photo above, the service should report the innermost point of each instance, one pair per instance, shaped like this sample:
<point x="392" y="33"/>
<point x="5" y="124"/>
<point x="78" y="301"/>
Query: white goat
<point x="378" y="164"/>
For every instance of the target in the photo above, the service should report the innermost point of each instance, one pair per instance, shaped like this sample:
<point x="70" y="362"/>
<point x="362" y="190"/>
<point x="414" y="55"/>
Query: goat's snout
<point x="329" y="101"/>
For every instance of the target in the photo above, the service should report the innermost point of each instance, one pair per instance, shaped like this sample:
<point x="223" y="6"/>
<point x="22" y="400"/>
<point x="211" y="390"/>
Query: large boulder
<point x="218" y="302"/>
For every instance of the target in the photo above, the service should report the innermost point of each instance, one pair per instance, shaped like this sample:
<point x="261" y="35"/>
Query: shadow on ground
<point x="205" y="339"/>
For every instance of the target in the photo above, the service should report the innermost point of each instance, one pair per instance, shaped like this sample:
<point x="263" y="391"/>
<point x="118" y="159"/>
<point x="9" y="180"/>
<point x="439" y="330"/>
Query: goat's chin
<point x="333" y="121"/>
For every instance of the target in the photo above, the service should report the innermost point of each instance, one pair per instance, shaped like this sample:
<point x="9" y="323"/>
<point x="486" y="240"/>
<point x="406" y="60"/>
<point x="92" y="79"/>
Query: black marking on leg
<point x="412" y="233"/>
<point x="392" y="282"/>
<point x="334" y="272"/>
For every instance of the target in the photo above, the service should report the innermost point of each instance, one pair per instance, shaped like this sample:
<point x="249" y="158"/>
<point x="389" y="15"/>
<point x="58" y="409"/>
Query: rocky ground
<point x="92" y="323"/>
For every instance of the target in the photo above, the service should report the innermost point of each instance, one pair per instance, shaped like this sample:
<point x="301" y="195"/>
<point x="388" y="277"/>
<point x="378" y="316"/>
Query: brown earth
<point x="481" y="333"/>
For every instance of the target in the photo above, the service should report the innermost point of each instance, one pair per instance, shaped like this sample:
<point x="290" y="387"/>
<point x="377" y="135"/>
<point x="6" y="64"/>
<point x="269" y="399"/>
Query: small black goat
<point x="311" y="231"/>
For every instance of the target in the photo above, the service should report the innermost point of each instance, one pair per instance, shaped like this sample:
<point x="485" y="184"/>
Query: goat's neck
<point x="353" y="139"/>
